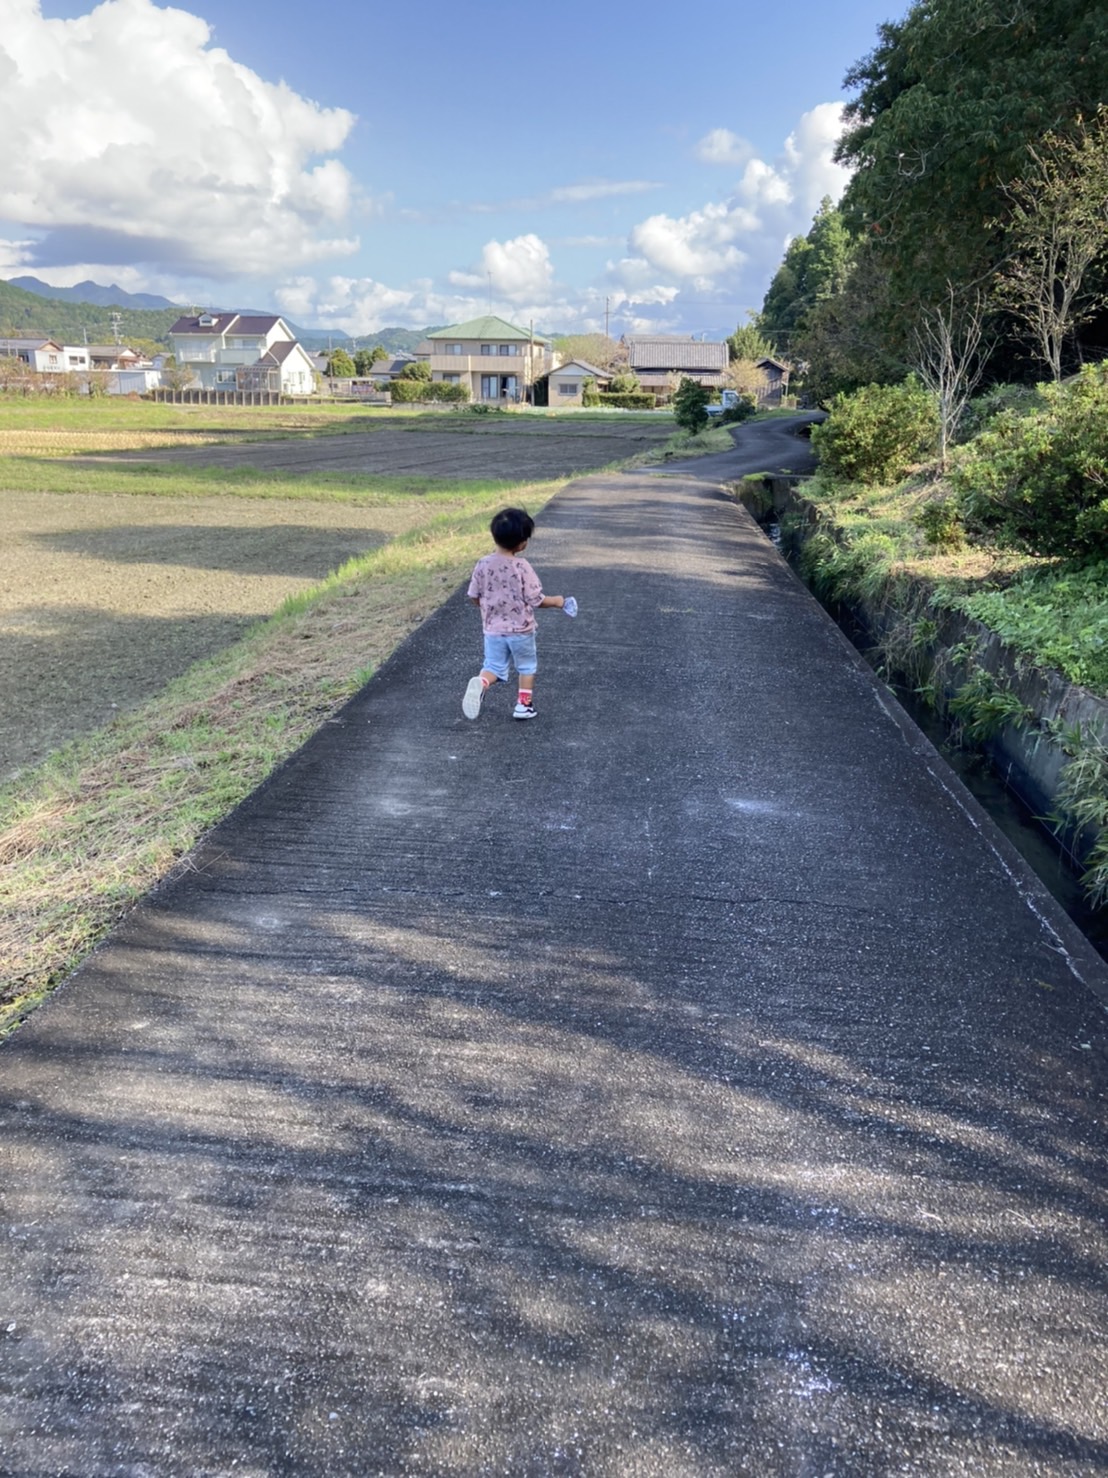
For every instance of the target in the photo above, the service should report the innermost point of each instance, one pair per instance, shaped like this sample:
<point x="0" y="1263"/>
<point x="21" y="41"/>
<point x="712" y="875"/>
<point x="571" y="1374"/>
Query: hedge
<point x="629" y="400"/>
<point x="408" y="391"/>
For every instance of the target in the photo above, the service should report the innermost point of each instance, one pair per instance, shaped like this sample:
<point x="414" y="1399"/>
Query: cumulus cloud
<point x="519" y="270"/>
<point x="161" y="148"/>
<point x="721" y="146"/>
<point x="697" y="245"/>
<point x="771" y="201"/>
<point x="808" y="153"/>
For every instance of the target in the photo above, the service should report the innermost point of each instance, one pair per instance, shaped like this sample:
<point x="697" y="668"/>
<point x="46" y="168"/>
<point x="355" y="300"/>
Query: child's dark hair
<point x="512" y="527"/>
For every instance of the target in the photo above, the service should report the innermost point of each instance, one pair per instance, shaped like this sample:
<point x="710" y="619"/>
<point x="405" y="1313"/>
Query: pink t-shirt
<point x="509" y="591"/>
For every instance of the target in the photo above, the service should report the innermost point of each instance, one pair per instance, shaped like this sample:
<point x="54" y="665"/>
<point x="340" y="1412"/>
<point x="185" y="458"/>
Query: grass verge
<point x="84" y="835"/>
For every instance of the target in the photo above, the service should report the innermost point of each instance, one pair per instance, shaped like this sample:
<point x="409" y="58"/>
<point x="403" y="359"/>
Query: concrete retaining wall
<point x="1028" y="759"/>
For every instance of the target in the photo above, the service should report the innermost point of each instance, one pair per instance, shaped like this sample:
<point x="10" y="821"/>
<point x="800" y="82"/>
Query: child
<point x="508" y="591"/>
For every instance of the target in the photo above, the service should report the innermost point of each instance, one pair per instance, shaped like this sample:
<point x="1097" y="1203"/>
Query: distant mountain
<point x="27" y="314"/>
<point x="82" y="314"/>
<point x="91" y="292"/>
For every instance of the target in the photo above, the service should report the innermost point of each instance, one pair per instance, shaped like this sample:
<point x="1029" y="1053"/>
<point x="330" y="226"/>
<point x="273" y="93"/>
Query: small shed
<point x="567" y="382"/>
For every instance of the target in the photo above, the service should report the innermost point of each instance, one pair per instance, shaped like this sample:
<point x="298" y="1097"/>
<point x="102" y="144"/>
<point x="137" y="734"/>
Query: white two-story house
<point x="237" y="351"/>
<point x="497" y="361"/>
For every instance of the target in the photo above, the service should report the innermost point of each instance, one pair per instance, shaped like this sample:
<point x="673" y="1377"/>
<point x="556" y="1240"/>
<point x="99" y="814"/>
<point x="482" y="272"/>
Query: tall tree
<point x="815" y="269"/>
<point x="946" y="106"/>
<point x="748" y="343"/>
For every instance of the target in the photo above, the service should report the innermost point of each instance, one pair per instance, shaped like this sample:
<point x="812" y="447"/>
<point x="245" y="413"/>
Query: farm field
<point x="515" y="448"/>
<point x="121" y="568"/>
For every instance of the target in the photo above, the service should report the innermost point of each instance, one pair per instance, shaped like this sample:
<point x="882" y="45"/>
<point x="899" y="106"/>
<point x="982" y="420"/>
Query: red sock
<point x="525" y="697"/>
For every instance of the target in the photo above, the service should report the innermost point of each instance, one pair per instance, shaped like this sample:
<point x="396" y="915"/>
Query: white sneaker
<point x="475" y="691"/>
<point x="524" y="710"/>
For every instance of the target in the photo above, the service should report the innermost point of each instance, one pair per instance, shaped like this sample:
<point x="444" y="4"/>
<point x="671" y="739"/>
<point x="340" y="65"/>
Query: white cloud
<point x="519" y="270"/>
<point x="354" y="305"/>
<point x="808" y="152"/>
<point x="772" y="201"/>
<point x="162" y="150"/>
<point x="697" y="245"/>
<point x="721" y="146"/>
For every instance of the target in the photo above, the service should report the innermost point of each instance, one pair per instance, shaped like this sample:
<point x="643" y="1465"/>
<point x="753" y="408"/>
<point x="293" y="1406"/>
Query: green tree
<point x="626" y="382"/>
<point x="945" y="108"/>
<point x="419" y="369"/>
<point x="596" y="349"/>
<point x="690" y="402"/>
<point x="748" y="342"/>
<point x="340" y="366"/>
<point x="815" y="269"/>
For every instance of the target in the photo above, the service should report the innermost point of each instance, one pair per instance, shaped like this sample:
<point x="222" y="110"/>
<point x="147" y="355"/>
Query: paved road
<point x="689" y="1082"/>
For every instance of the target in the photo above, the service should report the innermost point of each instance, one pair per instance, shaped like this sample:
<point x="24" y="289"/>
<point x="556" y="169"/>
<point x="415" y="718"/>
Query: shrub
<point x="875" y="434"/>
<point x="984" y="407"/>
<point x="419" y="369"/>
<point x="736" y="413"/>
<point x="640" y="400"/>
<point x="590" y="395"/>
<point x="690" y="406"/>
<point x="941" y="522"/>
<point x="1038" y="480"/>
<point x="406" y="392"/>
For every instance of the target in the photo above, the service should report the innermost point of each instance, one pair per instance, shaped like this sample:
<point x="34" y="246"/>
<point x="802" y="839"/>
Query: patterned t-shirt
<point x="509" y="591"/>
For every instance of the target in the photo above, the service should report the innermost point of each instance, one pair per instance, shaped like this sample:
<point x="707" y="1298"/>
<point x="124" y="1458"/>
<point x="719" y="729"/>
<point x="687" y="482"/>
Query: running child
<point x="509" y="593"/>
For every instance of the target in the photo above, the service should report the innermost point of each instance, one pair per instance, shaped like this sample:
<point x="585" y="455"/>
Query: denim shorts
<point x="519" y="649"/>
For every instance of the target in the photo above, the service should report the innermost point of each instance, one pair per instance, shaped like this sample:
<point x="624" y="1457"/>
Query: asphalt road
<point x="691" y="1081"/>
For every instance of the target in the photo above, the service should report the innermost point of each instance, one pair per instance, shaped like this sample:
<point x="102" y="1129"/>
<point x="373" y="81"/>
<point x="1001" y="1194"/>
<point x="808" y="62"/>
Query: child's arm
<point x="564" y="603"/>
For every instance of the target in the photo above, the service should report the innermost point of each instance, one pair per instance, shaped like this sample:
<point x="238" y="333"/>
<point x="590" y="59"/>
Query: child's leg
<point x="527" y="663"/>
<point x="495" y="669"/>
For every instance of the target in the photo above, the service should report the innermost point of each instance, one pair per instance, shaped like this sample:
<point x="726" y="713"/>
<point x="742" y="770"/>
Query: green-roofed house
<point x="498" y="362"/>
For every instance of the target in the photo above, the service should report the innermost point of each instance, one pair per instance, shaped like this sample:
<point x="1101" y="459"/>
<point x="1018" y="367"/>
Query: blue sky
<point x="357" y="164"/>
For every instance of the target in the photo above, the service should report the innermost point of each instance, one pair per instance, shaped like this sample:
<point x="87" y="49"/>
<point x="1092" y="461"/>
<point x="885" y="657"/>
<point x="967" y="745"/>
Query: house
<point x="240" y="351"/>
<point x="44" y="356"/>
<point x="662" y="361"/>
<point x="567" y="382"/>
<point x="391" y="368"/>
<point x="776" y="380"/>
<point x="496" y="360"/>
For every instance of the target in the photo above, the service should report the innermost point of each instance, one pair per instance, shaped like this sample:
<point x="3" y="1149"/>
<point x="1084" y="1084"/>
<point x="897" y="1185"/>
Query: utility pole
<point x="606" y="334"/>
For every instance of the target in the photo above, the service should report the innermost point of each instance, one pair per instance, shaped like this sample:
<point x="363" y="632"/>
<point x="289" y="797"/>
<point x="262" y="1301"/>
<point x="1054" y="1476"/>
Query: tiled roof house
<point x="662" y="360"/>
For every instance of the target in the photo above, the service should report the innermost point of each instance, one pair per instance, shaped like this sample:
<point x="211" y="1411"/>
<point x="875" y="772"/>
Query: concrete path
<point x="689" y="1082"/>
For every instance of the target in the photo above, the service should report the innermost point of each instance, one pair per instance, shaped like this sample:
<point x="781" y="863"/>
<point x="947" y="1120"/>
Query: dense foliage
<point x="875" y="434"/>
<point x="945" y="108"/>
<point x="1037" y="479"/>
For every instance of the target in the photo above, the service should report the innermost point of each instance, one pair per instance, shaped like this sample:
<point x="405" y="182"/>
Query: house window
<point x="486" y="349"/>
<point x="453" y="348"/>
<point x="490" y="387"/>
<point x="452" y="379"/>
<point x="568" y="387"/>
<point x="511" y="350"/>
<point x="75" y="359"/>
<point x="52" y="358"/>
<point x="225" y="377"/>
